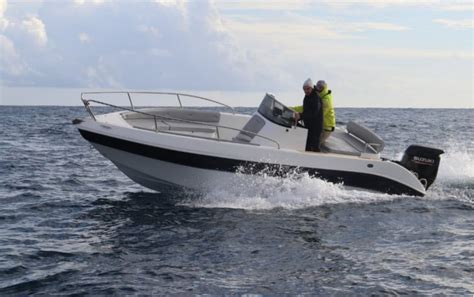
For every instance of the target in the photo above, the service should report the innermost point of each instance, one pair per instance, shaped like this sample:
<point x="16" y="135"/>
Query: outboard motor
<point x="423" y="162"/>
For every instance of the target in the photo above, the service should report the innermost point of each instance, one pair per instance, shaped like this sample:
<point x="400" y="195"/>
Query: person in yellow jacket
<point x="329" y="115"/>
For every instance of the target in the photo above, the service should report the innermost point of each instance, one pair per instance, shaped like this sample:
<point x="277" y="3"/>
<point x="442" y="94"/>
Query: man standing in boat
<point x="312" y="116"/>
<point x="329" y="122"/>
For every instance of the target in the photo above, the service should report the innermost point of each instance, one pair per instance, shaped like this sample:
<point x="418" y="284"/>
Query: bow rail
<point x="178" y="97"/>
<point x="163" y="119"/>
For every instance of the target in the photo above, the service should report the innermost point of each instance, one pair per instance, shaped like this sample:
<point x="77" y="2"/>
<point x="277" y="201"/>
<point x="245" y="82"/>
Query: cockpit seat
<point x="355" y="141"/>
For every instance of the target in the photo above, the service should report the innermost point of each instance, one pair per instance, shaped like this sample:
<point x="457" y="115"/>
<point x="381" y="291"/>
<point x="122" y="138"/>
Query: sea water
<point x="71" y="223"/>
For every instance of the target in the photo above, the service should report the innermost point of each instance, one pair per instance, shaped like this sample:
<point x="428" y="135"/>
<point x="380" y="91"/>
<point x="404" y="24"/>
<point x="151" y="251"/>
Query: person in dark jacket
<point x="312" y="116"/>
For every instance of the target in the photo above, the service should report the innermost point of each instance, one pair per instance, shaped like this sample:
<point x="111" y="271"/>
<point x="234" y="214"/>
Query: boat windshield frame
<point x="276" y="112"/>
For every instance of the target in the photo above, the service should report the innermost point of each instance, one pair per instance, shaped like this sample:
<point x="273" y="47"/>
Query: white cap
<point x="308" y="83"/>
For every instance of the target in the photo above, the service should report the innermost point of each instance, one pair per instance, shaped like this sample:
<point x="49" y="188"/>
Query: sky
<point x="385" y="53"/>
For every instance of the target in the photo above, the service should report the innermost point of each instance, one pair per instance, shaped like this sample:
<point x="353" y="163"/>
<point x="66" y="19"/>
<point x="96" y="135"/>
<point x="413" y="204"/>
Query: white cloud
<point x="3" y="7"/>
<point x="3" y="24"/>
<point x="399" y="53"/>
<point x="456" y="24"/>
<point x="295" y="47"/>
<point x="174" y="4"/>
<point x="365" y="26"/>
<point x="385" y="4"/>
<point x="36" y="28"/>
<point x="83" y="2"/>
<point x="84" y="37"/>
<point x="169" y="3"/>
<point x="264" y="5"/>
<point x="157" y="52"/>
<point x="378" y="3"/>
<point x="10" y="61"/>
<point x="458" y="6"/>
<point x="276" y="30"/>
<point x="141" y="45"/>
<point x="151" y="30"/>
<point x="99" y="76"/>
<point x="3" y="21"/>
<point x="301" y="28"/>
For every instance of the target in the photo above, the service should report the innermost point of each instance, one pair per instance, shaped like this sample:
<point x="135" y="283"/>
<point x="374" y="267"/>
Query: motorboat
<point x="192" y="147"/>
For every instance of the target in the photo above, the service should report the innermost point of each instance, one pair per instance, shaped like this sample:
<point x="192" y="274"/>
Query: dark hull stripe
<point x="353" y="179"/>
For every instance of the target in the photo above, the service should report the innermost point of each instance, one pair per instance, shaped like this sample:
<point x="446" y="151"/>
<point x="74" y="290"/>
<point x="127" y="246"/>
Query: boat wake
<point x="295" y="190"/>
<point x="298" y="190"/>
<point x="457" y="165"/>
<point x="455" y="177"/>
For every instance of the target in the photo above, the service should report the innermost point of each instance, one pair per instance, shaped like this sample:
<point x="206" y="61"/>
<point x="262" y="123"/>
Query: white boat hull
<point x="155" y="164"/>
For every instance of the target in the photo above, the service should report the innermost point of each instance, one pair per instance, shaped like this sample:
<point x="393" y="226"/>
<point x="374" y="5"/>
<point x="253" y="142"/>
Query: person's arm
<point x="298" y="109"/>
<point x="298" y="113"/>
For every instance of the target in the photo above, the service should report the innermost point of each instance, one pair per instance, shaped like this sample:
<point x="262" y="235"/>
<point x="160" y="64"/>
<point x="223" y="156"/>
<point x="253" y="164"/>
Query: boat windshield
<point x="276" y="112"/>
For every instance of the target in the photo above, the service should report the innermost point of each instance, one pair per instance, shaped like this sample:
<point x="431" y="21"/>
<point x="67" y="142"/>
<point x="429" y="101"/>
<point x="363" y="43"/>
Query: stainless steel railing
<point x="178" y="97"/>
<point x="163" y="119"/>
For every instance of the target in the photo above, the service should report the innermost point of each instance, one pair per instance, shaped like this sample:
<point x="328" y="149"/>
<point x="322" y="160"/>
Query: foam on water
<point x="294" y="191"/>
<point x="455" y="179"/>
<point x="299" y="190"/>
<point x="457" y="165"/>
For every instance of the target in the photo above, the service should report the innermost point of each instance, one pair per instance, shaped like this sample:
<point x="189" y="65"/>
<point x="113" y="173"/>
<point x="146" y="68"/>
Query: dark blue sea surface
<point x="71" y="223"/>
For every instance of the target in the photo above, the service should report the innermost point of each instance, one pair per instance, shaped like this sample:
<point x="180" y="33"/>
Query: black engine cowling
<point x="423" y="161"/>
